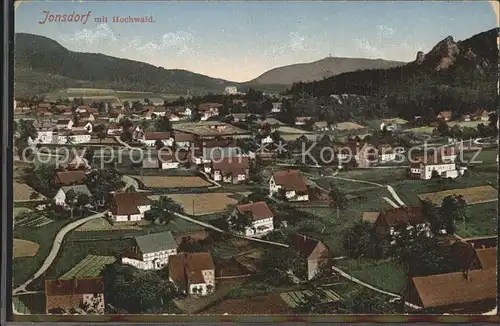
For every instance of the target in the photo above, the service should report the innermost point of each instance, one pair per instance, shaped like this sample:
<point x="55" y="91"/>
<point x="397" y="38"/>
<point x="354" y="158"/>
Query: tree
<point x="358" y="239"/>
<point x="255" y="170"/>
<point x="135" y="290"/>
<point x="453" y="208"/>
<point x="101" y="135"/>
<point x="239" y="222"/>
<point x="164" y="210"/>
<point x="126" y="106"/>
<point x="195" y="116"/>
<point x="188" y="244"/>
<point x="159" y="144"/>
<point x="41" y="179"/>
<point x="34" y="195"/>
<point x="278" y="263"/>
<point x="103" y="181"/>
<point x="71" y="200"/>
<point x="82" y="200"/>
<point x="364" y="301"/>
<point x="443" y="129"/>
<point x="338" y="198"/>
<point x="312" y="301"/>
<point x="24" y="131"/>
<point x="163" y="124"/>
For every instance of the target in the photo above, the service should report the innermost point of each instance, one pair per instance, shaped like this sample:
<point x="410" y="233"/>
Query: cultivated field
<point x="90" y="266"/>
<point x="22" y="192"/>
<point x="202" y="128"/>
<point x="296" y="298"/>
<point x="101" y="224"/>
<point x="171" y="181"/>
<point x="462" y="124"/>
<point x="24" y="248"/>
<point x="347" y="126"/>
<point x="472" y="195"/>
<point x="291" y="130"/>
<point x="203" y="203"/>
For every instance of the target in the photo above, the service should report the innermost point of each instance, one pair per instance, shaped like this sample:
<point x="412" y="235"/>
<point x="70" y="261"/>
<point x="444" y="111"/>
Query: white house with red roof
<point x="262" y="218"/>
<point x="291" y="182"/>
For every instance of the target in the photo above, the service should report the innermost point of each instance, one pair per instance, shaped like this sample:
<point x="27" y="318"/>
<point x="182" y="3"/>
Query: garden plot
<point x="203" y="203"/>
<point x="472" y="195"/>
<point x="171" y="181"/>
<point x="296" y="298"/>
<point x="90" y="266"/>
<point x="32" y="221"/>
<point x="347" y="126"/>
<point x="25" y="248"/>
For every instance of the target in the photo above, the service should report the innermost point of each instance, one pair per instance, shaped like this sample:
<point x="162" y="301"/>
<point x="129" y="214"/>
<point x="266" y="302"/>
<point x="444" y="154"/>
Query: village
<point x="227" y="205"/>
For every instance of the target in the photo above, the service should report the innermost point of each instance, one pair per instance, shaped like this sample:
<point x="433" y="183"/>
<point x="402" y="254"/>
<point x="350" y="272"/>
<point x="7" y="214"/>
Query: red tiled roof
<point x="259" y="210"/>
<point x="186" y="268"/>
<point x="74" y="286"/>
<point x="183" y="137"/>
<point x="68" y="177"/>
<point x="290" y="180"/>
<point x="125" y="203"/>
<point x="306" y="246"/>
<point x="208" y="106"/>
<point x="231" y="165"/>
<point x="454" y="288"/>
<point x="401" y="216"/>
<point x="487" y="257"/>
<point x="444" y="114"/>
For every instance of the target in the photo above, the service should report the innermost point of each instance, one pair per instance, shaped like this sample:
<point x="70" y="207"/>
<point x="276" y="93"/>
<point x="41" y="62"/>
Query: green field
<point x="482" y="221"/>
<point x="462" y="124"/>
<point x="90" y="266"/>
<point x="383" y="274"/>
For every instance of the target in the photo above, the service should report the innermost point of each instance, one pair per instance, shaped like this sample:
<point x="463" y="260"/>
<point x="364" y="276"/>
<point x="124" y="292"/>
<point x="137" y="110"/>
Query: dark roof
<point x="290" y="180"/>
<point x="183" y="137"/>
<point x="156" y="242"/>
<point x="400" y="216"/>
<point x="305" y="245"/>
<point x="211" y="143"/>
<point x="482" y="242"/>
<point x="74" y="286"/>
<point x="455" y="288"/>
<point x="77" y="189"/>
<point x="208" y="106"/>
<point x="259" y="210"/>
<point x="487" y="257"/>
<point x="186" y="268"/>
<point x="155" y="135"/>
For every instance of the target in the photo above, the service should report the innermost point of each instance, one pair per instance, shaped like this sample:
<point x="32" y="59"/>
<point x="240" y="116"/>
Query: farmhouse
<point x="212" y="149"/>
<point x="151" y="251"/>
<point x="87" y="116"/>
<point x="73" y="294"/>
<point x="313" y="251"/>
<point x="480" y="114"/>
<point x="473" y="291"/>
<point x="159" y="111"/>
<point x="185" y="112"/>
<point x="129" y="206"/>
<point x="291" y="183"/>
<point x="88" y="128"/>
<point x="43" y="110"/>
<point x="262" y="217"/>
<point x="44" y="136"/>
<point x="193" y="273"/>
<point x="230" y="169"/>
<point x="173" y="160"/>
<point x="114" y="129"/>
<point x="66" y="178"/>
<point x="424" y="168"/>
<point x="63" y="192"/>
<point x="444" y="115"/>
<point x="276" y="107"/>
<point x="321" y="126"/>
<point x="389" y="221"/>
<point x="150" y="138"/>
<point x="173" y="117"/>
<point x="116" y="116"/>
<point x="300" y="121"/>
<point x="73" y="137"/>
<point x="208" y="110"/>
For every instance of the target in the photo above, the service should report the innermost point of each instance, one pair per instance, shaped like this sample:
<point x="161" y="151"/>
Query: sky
<point x="238" y="41"/>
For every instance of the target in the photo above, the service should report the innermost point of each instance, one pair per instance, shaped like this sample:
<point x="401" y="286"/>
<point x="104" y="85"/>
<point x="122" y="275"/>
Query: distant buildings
<point x="230" y="90"/>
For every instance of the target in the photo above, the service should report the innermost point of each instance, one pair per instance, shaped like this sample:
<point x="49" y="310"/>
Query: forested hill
<point x="43" y="65"/>
<point x="458" y="75"/>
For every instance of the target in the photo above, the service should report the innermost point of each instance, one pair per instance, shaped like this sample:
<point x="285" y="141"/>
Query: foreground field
<point x="171" y="181"/>
<point x="24" y="248"/>
<point x="203" y="203"/>
<point x="482" y="221"/>
<point x="101" y="224"/>
<point x="472" y="195"/>
<point x="23" y="192"/>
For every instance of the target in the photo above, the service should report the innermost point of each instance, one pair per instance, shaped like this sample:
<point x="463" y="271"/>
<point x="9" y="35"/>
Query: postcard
<point x="255" y="158"/>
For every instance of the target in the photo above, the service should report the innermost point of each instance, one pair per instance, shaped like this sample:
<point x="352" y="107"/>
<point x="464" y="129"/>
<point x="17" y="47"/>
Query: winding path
<point x="393" y="204"/>
<point x="54" y="251"/>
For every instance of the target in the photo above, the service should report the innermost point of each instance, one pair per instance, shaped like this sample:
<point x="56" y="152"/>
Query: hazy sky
<point x="240" y="40"/>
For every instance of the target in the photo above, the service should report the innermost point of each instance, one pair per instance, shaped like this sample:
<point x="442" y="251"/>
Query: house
<point x="291" y="183"/>
<point x="193" y="273"/>
<point x="262" y="217"/>
<point x="363" y="153"/>
<point x="62" y="193"/>
<point x="239" y="117"/>
<point x="151" y="251"/>
<point x="66" y="178"/>
<point x="185" y="112"/>
<point x="159" y="111"/>
<point x="64" y="110"/>
<point x="44" y="109"/>
<point x="300" y="121"/>
<point x="173" y="160"/>
<point x="173" y="117"/>
<point x="77" y="162"/>
<point x="230" y="90"/>
<point x="482" y="242"/>
<point x="230" y="169"/>
<point x="389" y="221"/>
<point x="150" y="163"/>
<point x="88" y="127"/>
<point x="116" y="116"/>
<point x="74" y="294"/>
<point x="276" y="107"/>
<point x="468" y="292"/>
<point x="313" y="251"/>
<point x="114" y="129"/>
<point x="448" y="153"/>
<point x="386" y="153"/>
<point x="149" y="138"/>
<point x="82" y="109"/>
<point x="321" y="126"/>
<point x="183" y="140"/>
<point x="266" y="140"/>
<point x="211" y="149"/>
<point x="147" y="112"/>
<point x="424" y="167"/>
<point x="129" y="206"/>
<point x="208" y="110"/>
<point x="44" y="136"/>
<point x="73" y="137"/>
<point x="444" y="115"/>
<point x="87" y="116"/>
<point x="64" y="124"/>
<point x="466" y="117"/>
<point x="481" y="114"/>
